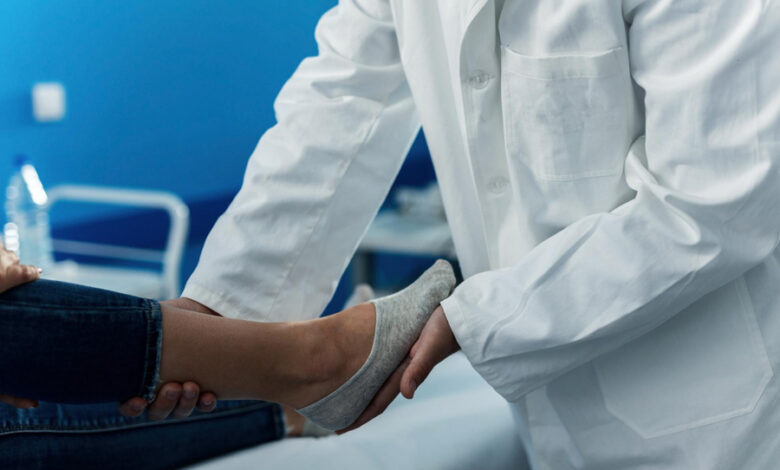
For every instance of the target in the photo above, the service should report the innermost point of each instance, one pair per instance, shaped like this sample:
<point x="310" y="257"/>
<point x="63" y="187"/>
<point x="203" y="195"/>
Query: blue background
<point x="161" y="94"/>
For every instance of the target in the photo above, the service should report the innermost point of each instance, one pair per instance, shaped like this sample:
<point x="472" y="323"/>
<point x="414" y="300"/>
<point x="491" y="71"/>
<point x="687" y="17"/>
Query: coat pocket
<point x="566" y="117"/>
<point x="705" y="365"/>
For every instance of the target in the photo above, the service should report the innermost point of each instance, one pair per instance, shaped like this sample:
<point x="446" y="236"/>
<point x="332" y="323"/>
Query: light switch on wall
<point x="48" y="101"/>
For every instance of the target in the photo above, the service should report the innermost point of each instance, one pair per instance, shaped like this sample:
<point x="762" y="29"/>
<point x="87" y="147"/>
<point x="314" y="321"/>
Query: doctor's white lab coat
<point x="610" y="172"/>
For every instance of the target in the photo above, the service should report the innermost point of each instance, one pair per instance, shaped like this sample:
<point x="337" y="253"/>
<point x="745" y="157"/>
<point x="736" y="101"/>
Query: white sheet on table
<point x="455" y="422"/>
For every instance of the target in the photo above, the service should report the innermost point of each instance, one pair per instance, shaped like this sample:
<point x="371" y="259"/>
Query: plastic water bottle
<point x="27" y="230"/>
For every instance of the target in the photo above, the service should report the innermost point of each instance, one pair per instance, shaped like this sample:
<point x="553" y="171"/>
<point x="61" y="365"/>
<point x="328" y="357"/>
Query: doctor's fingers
<point x="382" y="399"/>
<point x="436" y="343"/>
<point x="22" y="403"/>
<point x="133" y="407"/>
<point x="167" y="399"/>
<point x="179" y="400"/>
<point x="207" y="402"/>
<point x="190" y="391"/>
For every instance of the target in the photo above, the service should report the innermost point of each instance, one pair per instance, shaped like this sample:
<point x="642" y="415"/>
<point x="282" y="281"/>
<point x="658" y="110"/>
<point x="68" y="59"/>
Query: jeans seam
<point x="152" y="350"/>
<point x="13" y="304"/>
<point x="49" y="428"/>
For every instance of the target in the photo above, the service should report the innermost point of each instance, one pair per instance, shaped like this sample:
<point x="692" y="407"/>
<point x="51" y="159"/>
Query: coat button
<point x="498" y="185"/>
<point x="479" y="79"/>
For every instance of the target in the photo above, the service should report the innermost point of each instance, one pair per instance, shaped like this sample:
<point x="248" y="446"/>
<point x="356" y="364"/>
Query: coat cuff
<point x="466" y="336"/>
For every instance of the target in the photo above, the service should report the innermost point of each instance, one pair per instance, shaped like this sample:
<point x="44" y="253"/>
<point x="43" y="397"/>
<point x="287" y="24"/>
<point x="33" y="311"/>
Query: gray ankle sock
<point x="399" y="319"/>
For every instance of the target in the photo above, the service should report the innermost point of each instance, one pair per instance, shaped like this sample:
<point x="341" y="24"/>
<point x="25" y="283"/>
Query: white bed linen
<point x="455" y="422"/>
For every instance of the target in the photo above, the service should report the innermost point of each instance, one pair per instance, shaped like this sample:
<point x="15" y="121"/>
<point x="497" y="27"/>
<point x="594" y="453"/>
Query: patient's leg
<point x="73" y="344"/>
<point x="292" y="363"/>
<point x="303" y="363"/>
<point x="66" y="343"/>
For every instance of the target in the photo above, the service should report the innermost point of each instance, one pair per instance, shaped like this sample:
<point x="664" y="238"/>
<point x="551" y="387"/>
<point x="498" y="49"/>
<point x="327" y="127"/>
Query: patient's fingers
<point x="22" y="403"/>
<point x="133" y="407"/>
<point x="22" y="273"/>
<point x="382" y="399"/>
<point x="7" y="259"/>
<point x="207" y="402"/>
<point x="189" y="398"/>
<point x="166" y="401"/>
<point x="17" y="274"/>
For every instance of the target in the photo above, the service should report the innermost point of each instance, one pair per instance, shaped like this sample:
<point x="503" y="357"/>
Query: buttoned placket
<point x="481" y="94"/>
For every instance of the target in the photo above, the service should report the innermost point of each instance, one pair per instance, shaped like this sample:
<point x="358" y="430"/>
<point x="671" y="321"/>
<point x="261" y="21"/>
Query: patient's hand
<point x="13" y="274"/>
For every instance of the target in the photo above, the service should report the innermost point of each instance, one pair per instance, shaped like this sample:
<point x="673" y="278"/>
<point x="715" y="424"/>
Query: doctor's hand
<point x="174" y="399"/>
<point x="436" y="343"/>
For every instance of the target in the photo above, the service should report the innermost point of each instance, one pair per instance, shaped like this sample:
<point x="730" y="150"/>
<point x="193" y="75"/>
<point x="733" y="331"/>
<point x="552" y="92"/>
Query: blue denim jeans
<point x="83" y="350"/>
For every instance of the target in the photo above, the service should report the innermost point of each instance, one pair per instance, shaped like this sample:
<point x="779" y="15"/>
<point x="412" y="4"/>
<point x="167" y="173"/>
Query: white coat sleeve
<point x="345" y="121"/>
<point x="706" y="208"/>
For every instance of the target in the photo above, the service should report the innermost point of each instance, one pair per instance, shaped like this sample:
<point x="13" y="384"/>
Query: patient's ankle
<point x="330" y="351"/>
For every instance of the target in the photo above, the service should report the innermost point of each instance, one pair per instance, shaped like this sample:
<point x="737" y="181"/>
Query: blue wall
<point x="162" y="94"/>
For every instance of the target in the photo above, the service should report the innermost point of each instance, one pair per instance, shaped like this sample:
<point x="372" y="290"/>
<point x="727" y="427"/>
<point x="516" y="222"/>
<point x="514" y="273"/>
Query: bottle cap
<point x="21" y="159"/>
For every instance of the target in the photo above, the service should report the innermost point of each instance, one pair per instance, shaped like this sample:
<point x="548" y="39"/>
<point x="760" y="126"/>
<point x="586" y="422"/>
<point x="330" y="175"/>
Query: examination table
<point x="455" y="422"/>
